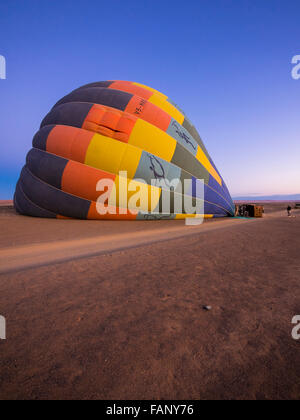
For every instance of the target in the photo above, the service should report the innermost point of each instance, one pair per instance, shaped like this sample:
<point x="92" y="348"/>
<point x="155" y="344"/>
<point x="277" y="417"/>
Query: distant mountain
<point x="292" y="197"/>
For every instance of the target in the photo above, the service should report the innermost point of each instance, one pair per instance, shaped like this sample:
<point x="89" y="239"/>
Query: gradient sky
<point x="227" y="63"/>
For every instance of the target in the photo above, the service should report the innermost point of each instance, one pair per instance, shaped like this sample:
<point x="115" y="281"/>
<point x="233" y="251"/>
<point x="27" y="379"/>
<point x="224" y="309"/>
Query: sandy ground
<point x="129" y="323"/>
<point x="5" y="203"/>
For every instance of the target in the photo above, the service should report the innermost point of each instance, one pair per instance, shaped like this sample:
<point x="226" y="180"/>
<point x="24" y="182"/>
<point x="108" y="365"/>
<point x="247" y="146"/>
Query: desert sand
<point x="114" y="310"/>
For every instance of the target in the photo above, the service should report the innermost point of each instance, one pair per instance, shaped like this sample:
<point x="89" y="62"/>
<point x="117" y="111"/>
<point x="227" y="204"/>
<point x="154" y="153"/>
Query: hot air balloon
<point x="106" y="141"/>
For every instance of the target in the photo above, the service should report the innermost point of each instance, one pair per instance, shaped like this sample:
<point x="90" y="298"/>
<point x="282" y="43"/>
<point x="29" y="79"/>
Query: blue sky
<point x="227" y="63"/>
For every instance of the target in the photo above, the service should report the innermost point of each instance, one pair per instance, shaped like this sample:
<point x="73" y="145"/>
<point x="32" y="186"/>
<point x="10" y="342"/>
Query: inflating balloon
<point x="106" y="141"/>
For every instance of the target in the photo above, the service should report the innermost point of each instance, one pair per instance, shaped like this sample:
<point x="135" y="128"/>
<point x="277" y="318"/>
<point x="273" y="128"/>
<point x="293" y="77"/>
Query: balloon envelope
<point x="116" y="150"/>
